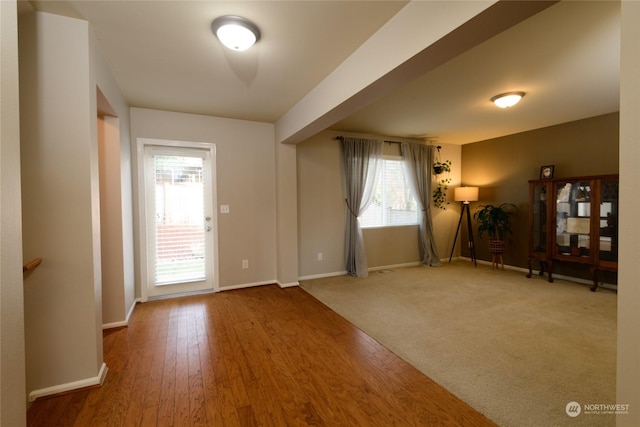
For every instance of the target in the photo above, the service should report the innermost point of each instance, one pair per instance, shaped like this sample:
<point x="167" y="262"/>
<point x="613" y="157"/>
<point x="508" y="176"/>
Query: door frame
<point x="141" y="144"/>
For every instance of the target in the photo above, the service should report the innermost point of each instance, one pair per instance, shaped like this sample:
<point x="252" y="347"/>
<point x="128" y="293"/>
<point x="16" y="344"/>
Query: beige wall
<point x="628" y="369"/>
<point x="59" y="175"/>
<point x="12" y="353"/>
<point x="246" y="181"/>
<point x="321" y="212"/>
<point x="113" y="289"/>
<point x="61" y="69"/>
<point x="112" y="105"/>
<point x="286" y="215"/>
<point x="501" y="167"/>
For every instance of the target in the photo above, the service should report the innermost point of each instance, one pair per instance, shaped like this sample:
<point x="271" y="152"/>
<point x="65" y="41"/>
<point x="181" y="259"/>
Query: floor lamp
<point x="465" y="195"/>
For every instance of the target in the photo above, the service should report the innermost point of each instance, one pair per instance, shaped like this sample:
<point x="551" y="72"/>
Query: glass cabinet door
<point x="573" y="221"/>
<point x="608" y="230"/>
<point x="539" y="218"/>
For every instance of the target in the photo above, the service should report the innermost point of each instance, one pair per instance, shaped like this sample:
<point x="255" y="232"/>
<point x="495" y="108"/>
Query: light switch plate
<point x="224" y="208"/>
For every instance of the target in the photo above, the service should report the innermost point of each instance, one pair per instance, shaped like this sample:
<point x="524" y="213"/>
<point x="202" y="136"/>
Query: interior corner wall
<point x="628" y="369"/>
<point x="321" y="212"/>
<point x="246" y="182"/>
<point x="12" y="366"/>
<point x="103" y="82"/>
<point x="59" y="198"/>
<point x="114" y="310"/>
<point x="502" y="167"/>
<point x="286" y="215"/>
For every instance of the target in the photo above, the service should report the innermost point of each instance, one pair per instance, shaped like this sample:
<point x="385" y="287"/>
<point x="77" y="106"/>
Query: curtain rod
<point x="340" y="137"/>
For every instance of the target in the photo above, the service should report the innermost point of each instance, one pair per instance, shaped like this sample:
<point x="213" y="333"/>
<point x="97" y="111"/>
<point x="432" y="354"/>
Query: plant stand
<point x="496" y="248"/>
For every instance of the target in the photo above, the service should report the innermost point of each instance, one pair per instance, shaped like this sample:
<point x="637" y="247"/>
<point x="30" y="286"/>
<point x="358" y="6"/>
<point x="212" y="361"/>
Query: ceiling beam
<point x="419" y="38"/>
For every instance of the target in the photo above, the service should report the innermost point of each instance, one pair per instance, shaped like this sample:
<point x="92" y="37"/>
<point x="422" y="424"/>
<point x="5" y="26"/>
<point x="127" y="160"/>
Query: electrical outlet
<point x="320" y="257"/>
<point x="245" y="263"/>
<point x="224" y="209"/>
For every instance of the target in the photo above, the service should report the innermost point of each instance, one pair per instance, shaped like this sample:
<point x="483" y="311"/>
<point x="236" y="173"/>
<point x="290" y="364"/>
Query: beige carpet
<point x="517" y="350"/>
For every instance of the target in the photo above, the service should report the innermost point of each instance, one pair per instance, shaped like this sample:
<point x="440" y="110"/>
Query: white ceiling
<point x="566" y="59"/>
<point x="164" y="56"/>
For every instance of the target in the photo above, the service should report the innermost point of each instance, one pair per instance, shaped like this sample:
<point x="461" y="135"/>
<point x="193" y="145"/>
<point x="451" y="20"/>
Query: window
<point x="393" y="201"/>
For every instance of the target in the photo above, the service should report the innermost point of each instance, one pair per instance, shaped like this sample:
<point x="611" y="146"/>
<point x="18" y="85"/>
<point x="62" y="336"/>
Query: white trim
<point x="247" y="285"/>
<point x="344" y="273"/>
<point x="141" y="143"/>
<point x="114" y="325"/>
<point x="130" y="313"/>
<point x="389" y="267"/>
<point x="181" y="294"/>
<point x="323" y="275"/>
<point x="288" y="285"/>
<point x="61" y="388"/>
<point x="124" y="322"/>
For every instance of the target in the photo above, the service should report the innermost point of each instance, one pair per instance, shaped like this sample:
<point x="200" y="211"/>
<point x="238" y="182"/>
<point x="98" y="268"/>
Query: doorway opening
<point x="178" y="226"/>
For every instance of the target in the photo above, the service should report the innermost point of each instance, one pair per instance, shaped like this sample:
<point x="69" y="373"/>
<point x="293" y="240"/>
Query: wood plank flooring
<point x="262" y="356"/>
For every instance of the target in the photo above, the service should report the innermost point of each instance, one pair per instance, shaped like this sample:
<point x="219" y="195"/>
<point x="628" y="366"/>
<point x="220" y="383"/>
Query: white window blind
<point x="179" y="223"/>
<point x="393" y="202"/>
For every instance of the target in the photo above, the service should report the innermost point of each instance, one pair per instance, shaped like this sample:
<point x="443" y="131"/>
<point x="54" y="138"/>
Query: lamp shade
<point x="465" y="194"/>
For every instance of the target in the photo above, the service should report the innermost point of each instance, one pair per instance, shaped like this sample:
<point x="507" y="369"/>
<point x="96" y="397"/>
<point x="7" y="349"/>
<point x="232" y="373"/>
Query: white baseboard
<point x="392" y="266"/>
<point x="323" y="275"/>
<point x="343" y="273"/>
<point x="179" y="295"/>
<point x="61" y="388"/>
<point x="288" y="285"/>
<point x="248" y="285"/>
<point x="113" y="325"/>
<point x="124" y="322"/>
<point x="130" y="313"/>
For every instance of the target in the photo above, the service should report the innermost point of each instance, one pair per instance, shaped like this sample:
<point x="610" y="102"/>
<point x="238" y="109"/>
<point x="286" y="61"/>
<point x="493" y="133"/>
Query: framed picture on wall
<point x="546" y="172"/>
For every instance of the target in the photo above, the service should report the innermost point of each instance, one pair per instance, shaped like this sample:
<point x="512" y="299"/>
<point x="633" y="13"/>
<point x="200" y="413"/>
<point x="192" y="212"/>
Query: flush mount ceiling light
<point x="235" y="32"/>
<point x="506" y="100"/>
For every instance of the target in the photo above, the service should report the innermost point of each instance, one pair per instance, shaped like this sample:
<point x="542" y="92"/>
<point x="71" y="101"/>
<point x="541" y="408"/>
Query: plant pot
<point x="496" y="247"/>
<point x="437" y="170"/>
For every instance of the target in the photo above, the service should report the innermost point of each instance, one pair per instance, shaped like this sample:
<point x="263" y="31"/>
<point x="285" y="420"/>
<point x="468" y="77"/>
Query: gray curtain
<point x="417" y="160"/>
<point x="360" y="158"/>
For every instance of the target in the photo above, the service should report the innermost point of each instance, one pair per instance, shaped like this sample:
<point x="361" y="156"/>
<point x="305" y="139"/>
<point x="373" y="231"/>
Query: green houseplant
<point x="496" y="221"/>
<point x="442" y="183"/>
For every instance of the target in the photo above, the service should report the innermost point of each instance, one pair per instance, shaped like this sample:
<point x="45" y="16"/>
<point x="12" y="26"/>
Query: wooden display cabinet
<point x="574" y="220"/>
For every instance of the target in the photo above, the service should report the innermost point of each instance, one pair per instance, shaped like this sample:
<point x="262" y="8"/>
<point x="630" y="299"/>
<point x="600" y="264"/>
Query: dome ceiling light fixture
<point x="235" y="32"/>
<point x="508" y="99"/>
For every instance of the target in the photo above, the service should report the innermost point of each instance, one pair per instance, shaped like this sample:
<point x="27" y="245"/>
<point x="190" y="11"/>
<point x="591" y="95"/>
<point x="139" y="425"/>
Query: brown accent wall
<point x="502" y="167"/>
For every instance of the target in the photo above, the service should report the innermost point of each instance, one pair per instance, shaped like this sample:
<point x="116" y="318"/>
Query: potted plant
<point x="442" y="183"/>
<point x="440" y="167"/>
<point x="496" y="221"/>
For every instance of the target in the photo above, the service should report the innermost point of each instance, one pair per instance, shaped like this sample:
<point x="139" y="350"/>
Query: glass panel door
<point x="179" y="219"/>
<point x="539" y="210"/>
<point x="608" y="229"/>
<point x="180" y="229"/>
<point x="573" y="222"/>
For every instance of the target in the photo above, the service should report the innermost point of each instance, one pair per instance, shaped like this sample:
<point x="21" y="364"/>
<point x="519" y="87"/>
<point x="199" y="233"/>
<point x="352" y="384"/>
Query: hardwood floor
<point x="262" y="356"/>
